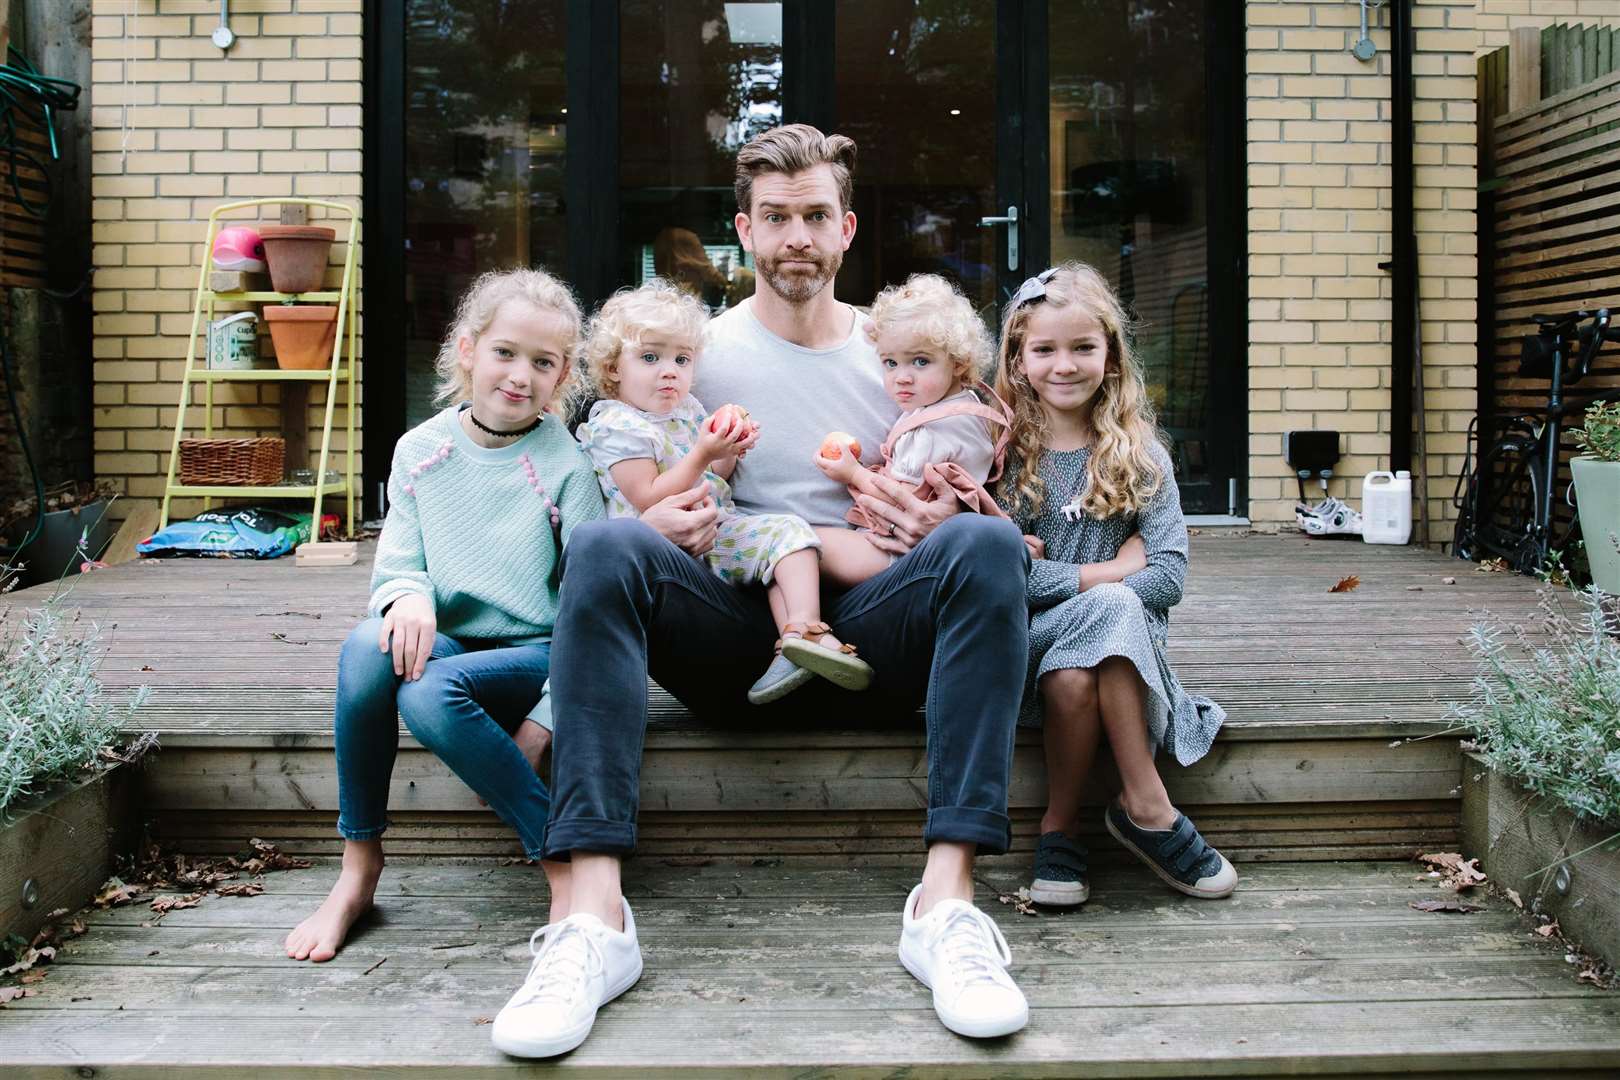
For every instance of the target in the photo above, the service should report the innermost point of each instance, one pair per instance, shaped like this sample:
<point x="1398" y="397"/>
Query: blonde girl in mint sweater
<point x="482" y="498"/>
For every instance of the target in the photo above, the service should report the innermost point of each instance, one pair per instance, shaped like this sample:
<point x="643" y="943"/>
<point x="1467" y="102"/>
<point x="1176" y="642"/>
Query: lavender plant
<point x="1548" y="713"/>
<point x="55" y="718"/>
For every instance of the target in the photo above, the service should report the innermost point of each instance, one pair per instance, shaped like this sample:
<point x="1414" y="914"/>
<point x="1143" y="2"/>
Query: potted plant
<point x="72" y="528"/>
<point x="304" y="334"/>
<point x="65" y="806"/>
<point x="1541" y="787"/>
<point x="1597" y="492"/>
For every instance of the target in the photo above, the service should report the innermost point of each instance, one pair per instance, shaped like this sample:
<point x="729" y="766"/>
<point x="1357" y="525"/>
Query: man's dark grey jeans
<point x="946" y="625"/>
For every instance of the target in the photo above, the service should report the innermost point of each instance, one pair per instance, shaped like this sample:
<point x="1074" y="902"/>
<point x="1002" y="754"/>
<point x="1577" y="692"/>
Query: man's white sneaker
<point x="579" y="966"/>
<point x="957" y="951"/>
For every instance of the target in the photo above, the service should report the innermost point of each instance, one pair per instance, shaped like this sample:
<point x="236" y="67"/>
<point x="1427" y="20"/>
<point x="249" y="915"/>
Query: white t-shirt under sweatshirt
<point x="798" y="396"/>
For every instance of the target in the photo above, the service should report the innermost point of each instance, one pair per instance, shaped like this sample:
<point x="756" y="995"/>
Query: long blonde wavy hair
<point x="1121" y="474"/>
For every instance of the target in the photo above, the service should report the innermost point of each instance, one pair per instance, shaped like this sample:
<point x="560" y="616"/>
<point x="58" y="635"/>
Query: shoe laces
<point x="566" y="957"/>
<point x="971" y="943"/>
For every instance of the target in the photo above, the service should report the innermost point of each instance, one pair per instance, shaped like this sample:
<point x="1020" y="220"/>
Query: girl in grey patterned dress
<point x="1093" y="489"/>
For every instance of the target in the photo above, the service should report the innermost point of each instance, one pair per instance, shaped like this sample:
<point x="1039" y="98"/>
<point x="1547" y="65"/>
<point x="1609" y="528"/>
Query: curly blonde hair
<point x="935" y="309"/>
<point x="478" y="307"/>
<point x="657" y="306"/>
<point x="1121" y="473"/>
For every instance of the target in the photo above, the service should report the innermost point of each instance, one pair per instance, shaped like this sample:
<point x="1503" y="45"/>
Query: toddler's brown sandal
<point x="839" y="666"/>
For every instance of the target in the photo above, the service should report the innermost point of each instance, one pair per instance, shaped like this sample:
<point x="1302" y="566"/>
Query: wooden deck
<point x="773" y="863"/>
<point x="1322" y="690"/>
<point x="762" y="971"/>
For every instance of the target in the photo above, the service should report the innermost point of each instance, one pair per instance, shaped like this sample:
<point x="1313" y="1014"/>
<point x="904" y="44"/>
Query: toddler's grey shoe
<point x="780" y="679"/>
<point x="1179" y="855"/>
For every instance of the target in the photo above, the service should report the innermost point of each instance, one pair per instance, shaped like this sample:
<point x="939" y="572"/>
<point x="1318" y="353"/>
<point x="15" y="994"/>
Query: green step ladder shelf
<point x="341" y="368"/>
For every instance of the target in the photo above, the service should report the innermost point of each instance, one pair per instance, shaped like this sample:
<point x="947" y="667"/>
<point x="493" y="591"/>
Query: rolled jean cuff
<point x="541" y="713"/>
<point x="597" y="836"/>
<point x="374" y="833"/>
<point x="964" y="825"/>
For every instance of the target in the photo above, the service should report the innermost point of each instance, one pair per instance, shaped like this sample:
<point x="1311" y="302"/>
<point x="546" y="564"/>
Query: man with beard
<point x="946" y="622"/>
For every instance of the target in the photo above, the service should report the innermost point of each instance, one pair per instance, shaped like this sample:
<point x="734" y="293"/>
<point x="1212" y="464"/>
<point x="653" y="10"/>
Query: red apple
<point x="728" y="416"/>
<point x="832" y="447"/>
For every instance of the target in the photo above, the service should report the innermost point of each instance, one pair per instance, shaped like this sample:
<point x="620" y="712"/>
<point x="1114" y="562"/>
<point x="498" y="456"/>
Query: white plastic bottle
<point x="1386" y="507"/>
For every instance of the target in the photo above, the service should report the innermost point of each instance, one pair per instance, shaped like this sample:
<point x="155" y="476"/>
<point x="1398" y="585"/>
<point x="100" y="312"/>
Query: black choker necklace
<point x="487" y="430"/>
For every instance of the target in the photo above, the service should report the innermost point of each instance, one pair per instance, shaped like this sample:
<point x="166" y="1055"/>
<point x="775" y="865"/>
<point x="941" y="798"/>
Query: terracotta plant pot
<point x="303" y="334"/>
<point x="297" y="255"/>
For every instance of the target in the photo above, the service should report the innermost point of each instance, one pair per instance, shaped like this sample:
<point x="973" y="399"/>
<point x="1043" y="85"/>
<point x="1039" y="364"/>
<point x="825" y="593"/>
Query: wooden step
<point x="788" y="969"/>
<point x="1265" y="791"/>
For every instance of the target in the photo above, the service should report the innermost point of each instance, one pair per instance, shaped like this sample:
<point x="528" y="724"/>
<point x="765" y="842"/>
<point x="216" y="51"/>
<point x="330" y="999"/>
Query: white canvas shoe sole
<point x="521" y="1044"/>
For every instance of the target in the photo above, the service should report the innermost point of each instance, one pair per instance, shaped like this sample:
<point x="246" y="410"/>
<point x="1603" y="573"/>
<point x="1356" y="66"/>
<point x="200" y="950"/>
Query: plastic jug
<point x="1386" y="507"/>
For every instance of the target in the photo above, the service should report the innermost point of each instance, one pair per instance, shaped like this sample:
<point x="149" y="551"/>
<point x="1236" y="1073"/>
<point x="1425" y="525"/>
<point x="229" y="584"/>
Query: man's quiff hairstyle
<point x="795" y="148"/>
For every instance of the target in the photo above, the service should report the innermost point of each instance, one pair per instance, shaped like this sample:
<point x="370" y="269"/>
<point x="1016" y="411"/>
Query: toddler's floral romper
<point x="746" y="547"/>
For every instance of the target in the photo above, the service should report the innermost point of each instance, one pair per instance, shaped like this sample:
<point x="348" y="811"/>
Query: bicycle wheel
<point x="1507" y="495"/>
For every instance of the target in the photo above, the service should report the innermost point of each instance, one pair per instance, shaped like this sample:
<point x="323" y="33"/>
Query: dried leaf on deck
<point x="1444" y="905"/>
<point x="240" y="888"/>
<point x="1019" y="900"/>
<point x="1346" y="583"/>
<point x="37" y="975"/>
<point x="12" y="993"/>
<point x="165" y="904"/>
<point x="269" y="857"/>
<point x="115" y="892"/>
<point x="1458" y="873"/>
<point x="1550" y="930"/>
<point x="28" y="958"/>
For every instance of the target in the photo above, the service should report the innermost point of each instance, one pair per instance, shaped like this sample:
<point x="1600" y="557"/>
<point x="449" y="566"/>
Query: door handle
<point x="1011" y="221"/>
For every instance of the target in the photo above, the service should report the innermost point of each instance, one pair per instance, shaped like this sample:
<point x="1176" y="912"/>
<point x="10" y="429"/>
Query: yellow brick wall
<point x="180" y="127"/>
<point x="1319" y="224"/>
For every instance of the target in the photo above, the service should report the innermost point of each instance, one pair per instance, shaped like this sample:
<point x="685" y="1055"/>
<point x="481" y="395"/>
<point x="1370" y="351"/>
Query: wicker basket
<point x="220" y="462"/>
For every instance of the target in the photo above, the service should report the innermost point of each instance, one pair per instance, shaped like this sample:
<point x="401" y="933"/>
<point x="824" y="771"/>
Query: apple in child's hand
<point x="728" y="418"/>
<point x="832" y="447"/>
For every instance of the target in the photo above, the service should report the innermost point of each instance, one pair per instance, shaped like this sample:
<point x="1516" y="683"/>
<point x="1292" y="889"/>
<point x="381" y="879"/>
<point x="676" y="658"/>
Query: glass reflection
<point x="485" y="141"/>
<point x="915" y="89"/>
<point x="1129" y="160"/>
<point x="698" y="79"/>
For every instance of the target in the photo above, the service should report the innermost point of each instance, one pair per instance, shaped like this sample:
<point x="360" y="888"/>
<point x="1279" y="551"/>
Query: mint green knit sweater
<point x="474" y="530"/>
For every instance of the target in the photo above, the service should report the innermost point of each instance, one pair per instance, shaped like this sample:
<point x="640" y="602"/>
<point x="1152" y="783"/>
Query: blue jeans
<point x="946" y="625"/>
<point x="472" y="695"/>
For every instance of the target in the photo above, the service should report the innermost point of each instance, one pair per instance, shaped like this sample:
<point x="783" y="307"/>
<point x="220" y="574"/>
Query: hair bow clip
<point x="1034" y="288"/>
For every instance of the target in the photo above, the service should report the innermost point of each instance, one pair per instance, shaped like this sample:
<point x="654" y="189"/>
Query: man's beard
<point x="796" y="286"/>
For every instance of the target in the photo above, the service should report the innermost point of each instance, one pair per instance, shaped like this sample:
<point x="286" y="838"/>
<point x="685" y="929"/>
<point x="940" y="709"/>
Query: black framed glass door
<point x="596" y="138"/>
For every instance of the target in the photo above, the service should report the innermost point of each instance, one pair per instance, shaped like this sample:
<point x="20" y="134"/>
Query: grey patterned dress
<point x="1130" y="619"/>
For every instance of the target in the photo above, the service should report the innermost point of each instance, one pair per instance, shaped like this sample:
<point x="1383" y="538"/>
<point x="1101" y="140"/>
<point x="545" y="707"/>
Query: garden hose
<point x="23" y="88"/>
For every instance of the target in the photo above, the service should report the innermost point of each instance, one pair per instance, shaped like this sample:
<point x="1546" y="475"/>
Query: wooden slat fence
<point x="22" y="234"/>
<point x="1549" y="141"/>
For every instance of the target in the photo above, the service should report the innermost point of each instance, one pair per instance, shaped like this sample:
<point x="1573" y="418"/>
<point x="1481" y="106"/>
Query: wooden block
<point x="228" y="280"/>
<point x="330" y="553"/>
<point x="141" y="523"/>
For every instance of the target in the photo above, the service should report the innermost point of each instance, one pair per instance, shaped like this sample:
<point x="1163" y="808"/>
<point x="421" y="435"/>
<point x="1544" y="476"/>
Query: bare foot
<point x="320" y="936"/>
